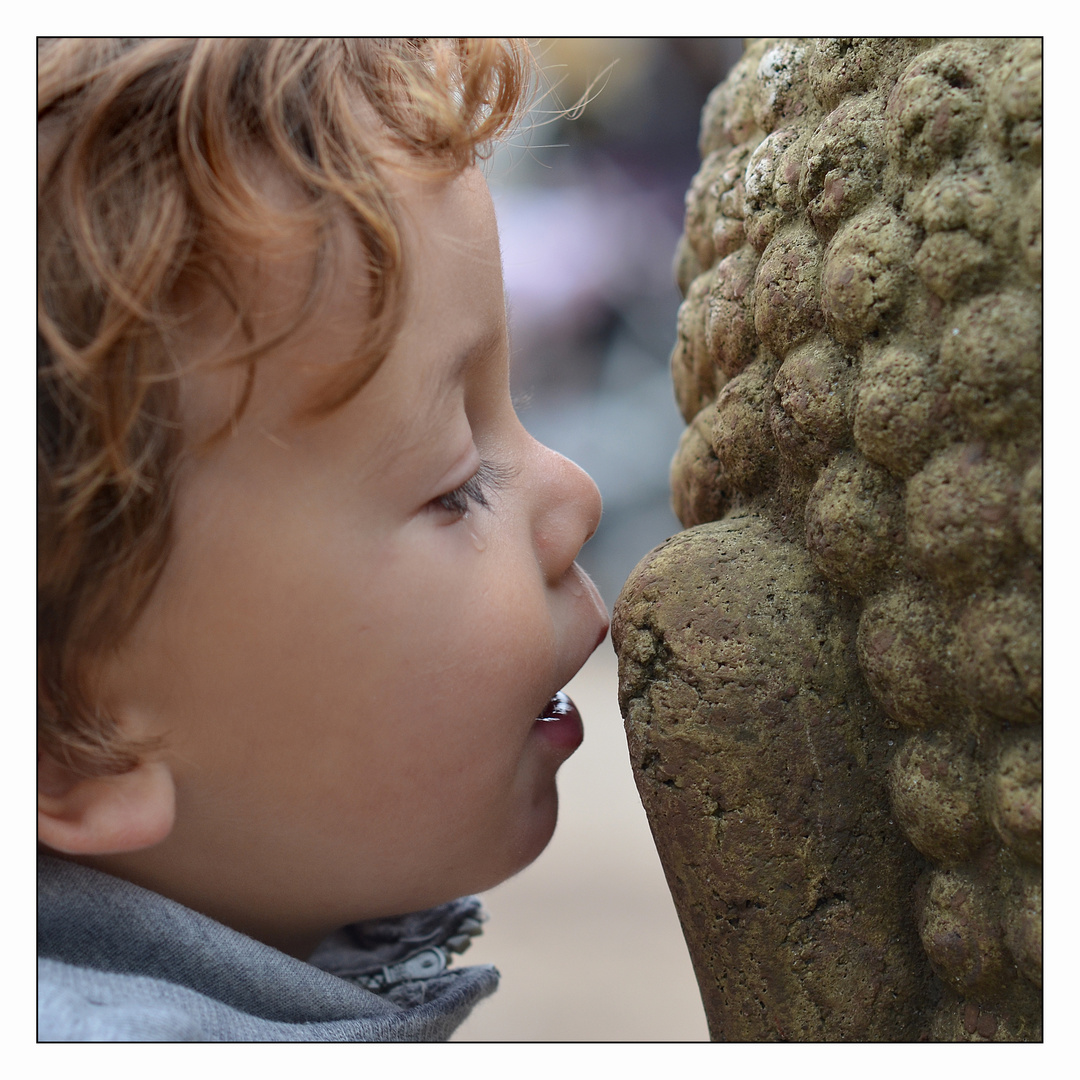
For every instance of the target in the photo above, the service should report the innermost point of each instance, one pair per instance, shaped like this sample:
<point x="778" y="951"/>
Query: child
<point x="305" y="583"/>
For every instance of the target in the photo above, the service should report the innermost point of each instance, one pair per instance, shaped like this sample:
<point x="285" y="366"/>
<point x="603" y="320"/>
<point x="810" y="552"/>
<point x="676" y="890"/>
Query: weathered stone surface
<point x="832" y="681"/>
<point x="761" y="768"/>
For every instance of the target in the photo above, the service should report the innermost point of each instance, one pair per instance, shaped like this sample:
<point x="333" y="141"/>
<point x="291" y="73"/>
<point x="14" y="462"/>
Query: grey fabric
<point x="119" y="963"/>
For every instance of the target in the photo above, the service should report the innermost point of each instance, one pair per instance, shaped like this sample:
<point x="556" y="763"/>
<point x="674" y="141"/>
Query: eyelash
<point x="487" y="479"/>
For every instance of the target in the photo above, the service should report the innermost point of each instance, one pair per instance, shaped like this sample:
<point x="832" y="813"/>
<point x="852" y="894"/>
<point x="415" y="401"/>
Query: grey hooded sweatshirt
<point x="118" y="963"/>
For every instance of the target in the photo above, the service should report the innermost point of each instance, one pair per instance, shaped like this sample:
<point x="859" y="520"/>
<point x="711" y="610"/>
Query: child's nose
<point x="567" y="512"/>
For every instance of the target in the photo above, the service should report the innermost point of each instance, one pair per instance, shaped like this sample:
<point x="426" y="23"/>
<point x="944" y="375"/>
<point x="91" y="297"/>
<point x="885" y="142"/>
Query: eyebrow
<point x="476" y="352"/>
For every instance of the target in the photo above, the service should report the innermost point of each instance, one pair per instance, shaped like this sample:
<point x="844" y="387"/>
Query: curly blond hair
<point x="153" y="155"/>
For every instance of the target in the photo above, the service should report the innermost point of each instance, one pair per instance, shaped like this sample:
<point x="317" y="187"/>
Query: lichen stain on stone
<point x="831" y="681"/>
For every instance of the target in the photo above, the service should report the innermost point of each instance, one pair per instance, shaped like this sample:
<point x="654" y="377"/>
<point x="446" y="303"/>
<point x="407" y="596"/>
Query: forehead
<point x="452" y="305"/>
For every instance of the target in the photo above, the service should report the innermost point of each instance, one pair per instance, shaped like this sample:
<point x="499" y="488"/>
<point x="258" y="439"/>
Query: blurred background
<point x="590" y="209"/>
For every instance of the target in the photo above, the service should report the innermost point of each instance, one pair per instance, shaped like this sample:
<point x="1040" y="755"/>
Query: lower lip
<point x="561" y="723"/>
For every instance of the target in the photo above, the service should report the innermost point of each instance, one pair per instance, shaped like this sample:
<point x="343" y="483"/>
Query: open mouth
<point x="560" y="722"/>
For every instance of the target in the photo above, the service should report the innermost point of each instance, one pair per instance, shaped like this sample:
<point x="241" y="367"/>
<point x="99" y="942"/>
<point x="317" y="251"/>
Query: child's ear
<point x="104" y="815"/>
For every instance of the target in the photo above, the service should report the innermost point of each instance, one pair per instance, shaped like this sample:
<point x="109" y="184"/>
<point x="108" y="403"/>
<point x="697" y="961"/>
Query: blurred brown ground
<point x="587" y="939"/>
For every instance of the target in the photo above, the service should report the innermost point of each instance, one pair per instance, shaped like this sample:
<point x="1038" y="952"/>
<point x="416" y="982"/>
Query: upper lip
<point x="596" y="608"/>
<point x="593" y="606"/>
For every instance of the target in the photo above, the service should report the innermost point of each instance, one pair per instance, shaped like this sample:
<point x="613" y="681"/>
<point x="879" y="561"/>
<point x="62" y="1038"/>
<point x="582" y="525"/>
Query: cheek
<point x="487" y="643"/>
<point x="310" y="649"/>
<point x="468" y="657"/>
<point x="470" y="589"/>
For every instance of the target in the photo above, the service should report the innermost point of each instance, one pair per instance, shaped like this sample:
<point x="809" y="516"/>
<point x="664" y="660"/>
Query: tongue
<point x="558" y="707"/>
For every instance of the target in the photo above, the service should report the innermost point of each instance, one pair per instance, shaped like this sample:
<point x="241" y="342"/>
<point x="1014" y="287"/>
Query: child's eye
<point x="486" y="480"/>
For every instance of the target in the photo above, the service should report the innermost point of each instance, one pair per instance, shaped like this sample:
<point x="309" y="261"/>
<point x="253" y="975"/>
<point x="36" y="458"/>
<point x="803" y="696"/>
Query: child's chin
<point x="536" y="836"/>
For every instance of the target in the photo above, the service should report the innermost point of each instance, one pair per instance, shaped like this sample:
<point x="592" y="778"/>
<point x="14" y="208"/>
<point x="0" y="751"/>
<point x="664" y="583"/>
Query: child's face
<point x="346" y="669"/>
